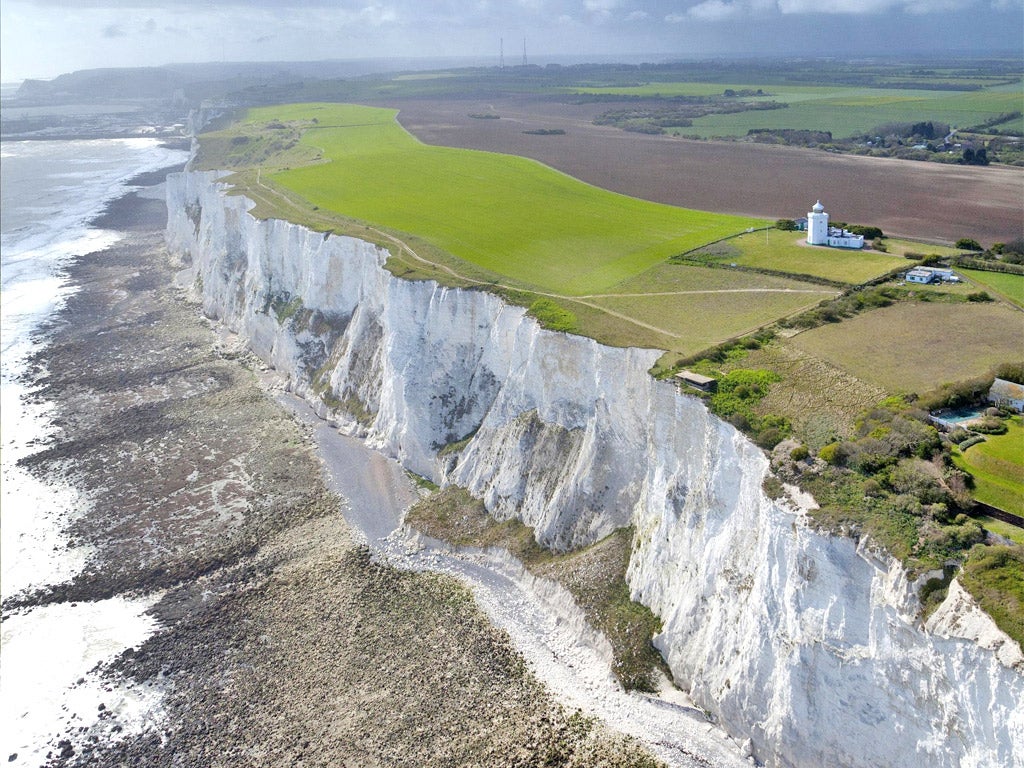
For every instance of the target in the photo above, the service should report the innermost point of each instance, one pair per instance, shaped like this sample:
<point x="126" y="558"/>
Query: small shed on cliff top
<point x="698" y="381"/>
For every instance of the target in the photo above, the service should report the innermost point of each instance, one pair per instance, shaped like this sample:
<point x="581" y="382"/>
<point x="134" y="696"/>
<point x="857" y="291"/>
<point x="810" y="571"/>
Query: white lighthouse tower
<point x="817" y="225"/>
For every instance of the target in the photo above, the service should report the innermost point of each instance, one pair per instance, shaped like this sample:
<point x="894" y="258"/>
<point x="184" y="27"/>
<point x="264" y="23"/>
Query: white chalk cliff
<point x="808" y="644"/>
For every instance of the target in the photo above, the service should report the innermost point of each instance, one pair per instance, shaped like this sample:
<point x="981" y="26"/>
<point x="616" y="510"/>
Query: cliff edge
<point x="810" y="645"/>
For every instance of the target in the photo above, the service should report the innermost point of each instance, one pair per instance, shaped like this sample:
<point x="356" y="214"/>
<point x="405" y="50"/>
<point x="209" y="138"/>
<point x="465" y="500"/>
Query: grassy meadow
<point x="508" y="215"/>
<point x="512" y="224"/>
<point x="896" y="247"/>
<point x="918" y="346"/>
<point x="788" y="252"/>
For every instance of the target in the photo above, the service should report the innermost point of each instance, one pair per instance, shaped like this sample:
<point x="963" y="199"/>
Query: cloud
<point x="716" y="10"/>
<point x="676" y="18"/>
<point x="638" y="16"/>
<point x="114" y="30"/>
<point x="377" y="14"/>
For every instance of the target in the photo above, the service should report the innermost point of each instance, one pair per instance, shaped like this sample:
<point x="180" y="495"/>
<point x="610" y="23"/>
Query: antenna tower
<point x="501" y="58"/>
<point x="524" y="51"/>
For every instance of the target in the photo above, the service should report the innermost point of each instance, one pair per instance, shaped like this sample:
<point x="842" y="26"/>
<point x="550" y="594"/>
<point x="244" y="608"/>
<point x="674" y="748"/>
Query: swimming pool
<point x="959" y="418"/>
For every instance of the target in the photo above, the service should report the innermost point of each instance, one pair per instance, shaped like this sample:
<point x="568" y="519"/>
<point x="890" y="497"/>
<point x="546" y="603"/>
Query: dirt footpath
<point x="281" y="643"/>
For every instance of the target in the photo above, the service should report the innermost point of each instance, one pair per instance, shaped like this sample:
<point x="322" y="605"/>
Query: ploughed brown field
<point x="927" y="201"/>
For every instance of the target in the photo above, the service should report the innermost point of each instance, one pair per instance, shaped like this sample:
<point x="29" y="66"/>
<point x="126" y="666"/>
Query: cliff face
<point x="805" y="643"/>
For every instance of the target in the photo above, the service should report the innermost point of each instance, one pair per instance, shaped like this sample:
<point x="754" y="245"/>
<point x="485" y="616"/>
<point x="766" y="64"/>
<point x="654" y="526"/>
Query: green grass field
<point x="693" y="322"/>
<point x="511" y="216"/>
<point x="843" y="110"/>
<point x="897" y="247"/>
<point x="1010" y="286"/>
<point x="918" y="346"/>
<point x="998" y="468"/>
<point x="685" y="308"/>
<point x="788" y="252"/>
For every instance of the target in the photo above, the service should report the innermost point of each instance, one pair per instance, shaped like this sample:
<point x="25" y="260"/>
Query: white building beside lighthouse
<point x="820" y="233"/>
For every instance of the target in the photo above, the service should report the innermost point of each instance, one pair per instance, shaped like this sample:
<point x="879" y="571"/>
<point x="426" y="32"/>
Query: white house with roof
<point x="1007" y="394"/>
<point x="931" y="275"/>
<point x="820" y="233"/>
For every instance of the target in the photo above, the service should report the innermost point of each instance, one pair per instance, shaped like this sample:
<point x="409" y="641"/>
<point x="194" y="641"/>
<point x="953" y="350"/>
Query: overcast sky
<point x="43" y="38"/>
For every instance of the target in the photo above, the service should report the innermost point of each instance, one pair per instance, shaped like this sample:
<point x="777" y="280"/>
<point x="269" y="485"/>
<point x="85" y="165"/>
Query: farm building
<point x="927" y="275"/>
<point x="696" y="380"/>
<point x="1007" y="394"/>
<point x="820" y="233"/>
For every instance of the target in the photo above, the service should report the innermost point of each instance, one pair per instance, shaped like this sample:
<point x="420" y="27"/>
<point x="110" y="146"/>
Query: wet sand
<point x="281" y="640"/>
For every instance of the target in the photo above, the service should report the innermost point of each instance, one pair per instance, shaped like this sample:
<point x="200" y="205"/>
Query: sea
<point x="49" y="192"/>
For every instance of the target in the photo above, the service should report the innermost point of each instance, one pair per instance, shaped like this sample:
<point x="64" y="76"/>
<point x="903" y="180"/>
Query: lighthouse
<point x="817" y="225"/>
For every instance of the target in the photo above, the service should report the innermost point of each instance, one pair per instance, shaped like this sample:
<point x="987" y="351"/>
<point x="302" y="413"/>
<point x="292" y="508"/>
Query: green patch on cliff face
<point x="285" y="310"/>
<point x="595" y="575"/>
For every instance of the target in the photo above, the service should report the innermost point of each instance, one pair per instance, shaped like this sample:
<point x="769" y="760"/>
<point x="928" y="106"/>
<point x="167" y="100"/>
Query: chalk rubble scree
<point x="808" y="644"/>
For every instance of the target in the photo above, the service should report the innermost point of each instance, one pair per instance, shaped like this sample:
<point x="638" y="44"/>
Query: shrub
<point x="873" y="488"/>
<point x="963" y="445"/>
<point x="832" y="453"/>
<point x="957" y="395"/>
<point x="552" y="316"/>
<point x="870" y="233"/>
<point x="738" y="390"/>
<point x="912" y="476"/>
<point x="1011" y="372"/>
<point x="769" y="438"/>
<point x="799" y="453"/>
<point x="979" y="296"/>
<point x="1014" y="246"/>
<point x="786" y="225"/>
<point x="990" y="426"/>
<point x="739" y="421"/>
<point x="773" y="488"/>
<point x="968" y="244"/>
<point x="958" y="435"/>
<point x="961" y="537"/>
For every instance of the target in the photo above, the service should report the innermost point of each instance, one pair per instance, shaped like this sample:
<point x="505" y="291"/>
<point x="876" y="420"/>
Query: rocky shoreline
<point x="281" y="640"/>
